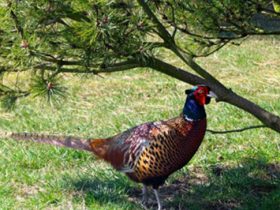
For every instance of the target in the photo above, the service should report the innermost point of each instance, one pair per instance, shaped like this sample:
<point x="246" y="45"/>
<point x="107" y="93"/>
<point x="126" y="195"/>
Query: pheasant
<point x="150" y="152"/>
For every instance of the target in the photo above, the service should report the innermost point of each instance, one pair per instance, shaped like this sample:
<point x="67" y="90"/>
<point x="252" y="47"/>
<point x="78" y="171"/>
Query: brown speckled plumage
<point x="150" y="152"/>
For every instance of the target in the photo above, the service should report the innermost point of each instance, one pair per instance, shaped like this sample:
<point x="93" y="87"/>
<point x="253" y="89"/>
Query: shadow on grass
<point x="253" y="184"/>
<point x="102" y="187"/>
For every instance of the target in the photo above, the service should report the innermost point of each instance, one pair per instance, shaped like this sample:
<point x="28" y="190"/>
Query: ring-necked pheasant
<point x="150" y="152"/>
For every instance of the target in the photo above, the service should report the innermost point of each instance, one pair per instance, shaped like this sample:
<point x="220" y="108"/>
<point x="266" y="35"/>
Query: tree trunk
<point x="227" y="95"/>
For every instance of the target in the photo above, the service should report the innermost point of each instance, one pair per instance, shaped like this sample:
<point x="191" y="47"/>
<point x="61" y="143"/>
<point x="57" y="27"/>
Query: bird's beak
<point x="211" y="94"/>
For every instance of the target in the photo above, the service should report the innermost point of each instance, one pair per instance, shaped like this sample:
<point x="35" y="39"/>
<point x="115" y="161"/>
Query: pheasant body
<point x="150" y="152"/>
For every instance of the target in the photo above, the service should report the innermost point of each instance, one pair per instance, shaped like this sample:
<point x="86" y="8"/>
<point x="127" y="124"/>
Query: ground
<point x="232" y="171"/>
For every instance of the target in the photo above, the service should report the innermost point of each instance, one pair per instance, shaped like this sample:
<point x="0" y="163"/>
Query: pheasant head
<point x="197" y="97"/>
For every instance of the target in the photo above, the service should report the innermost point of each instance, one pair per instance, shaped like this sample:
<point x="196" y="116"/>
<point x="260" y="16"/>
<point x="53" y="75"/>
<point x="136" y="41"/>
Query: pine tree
<point x="45" y="39"/>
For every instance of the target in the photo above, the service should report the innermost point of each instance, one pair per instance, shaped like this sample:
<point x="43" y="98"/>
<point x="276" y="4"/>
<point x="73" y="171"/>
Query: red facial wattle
<point x="201" y="99"/>
<point x="201" y="95"/>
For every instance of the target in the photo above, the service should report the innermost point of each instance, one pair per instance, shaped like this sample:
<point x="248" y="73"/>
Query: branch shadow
<point x="253" y="184"/>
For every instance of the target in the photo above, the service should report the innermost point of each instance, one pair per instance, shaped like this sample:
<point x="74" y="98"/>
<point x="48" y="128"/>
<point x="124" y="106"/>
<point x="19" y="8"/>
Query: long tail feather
<point x="61" y="141"/>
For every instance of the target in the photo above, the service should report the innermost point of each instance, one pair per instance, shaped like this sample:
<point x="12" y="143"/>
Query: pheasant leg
<point x="158" y="200"/>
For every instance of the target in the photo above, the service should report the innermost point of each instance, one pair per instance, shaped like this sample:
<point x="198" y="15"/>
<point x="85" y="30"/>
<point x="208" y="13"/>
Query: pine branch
<point x="17" y="24"/>
<point x="163" y="33"/>
<point x="236" y="130"/>
<point x="99" y="68"/>
<point x="175" y="72"/>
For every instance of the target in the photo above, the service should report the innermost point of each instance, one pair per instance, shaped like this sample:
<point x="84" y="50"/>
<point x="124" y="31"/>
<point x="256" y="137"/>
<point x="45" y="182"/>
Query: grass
<point x="232" y="171"/>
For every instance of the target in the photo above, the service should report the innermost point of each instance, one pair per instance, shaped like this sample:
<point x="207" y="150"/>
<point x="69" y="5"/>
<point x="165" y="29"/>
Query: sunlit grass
<point x="43" y="177"/>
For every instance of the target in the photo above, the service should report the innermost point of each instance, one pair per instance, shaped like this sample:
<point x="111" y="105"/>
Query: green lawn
<point x="233" y="171"/>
